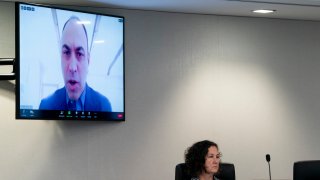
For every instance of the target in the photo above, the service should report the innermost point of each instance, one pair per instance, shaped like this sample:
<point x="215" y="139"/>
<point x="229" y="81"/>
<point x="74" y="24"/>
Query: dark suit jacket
<point x="94" y="101"/>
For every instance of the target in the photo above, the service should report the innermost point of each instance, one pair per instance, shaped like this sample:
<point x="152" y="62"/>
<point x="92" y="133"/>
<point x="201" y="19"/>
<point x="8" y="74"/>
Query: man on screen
<point x="75" y="59"/>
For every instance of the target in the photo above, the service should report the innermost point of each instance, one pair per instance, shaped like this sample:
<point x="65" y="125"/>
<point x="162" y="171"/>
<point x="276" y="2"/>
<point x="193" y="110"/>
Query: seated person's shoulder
<point x="54" y="101"/>
<point x="95" y="101"/>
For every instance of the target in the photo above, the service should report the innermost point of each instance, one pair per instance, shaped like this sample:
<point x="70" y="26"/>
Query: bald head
<point x="74" y="57"/>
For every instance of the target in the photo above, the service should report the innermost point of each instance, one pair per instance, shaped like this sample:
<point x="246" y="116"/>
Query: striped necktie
<point x="72" y="105"/>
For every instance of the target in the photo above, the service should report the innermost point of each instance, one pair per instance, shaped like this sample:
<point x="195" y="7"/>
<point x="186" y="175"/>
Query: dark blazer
<point x="226" y="172"/>
<point x="94" y="101"/>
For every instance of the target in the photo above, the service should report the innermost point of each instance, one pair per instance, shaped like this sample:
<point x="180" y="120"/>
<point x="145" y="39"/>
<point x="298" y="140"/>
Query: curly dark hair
<point x="195" y="156"/>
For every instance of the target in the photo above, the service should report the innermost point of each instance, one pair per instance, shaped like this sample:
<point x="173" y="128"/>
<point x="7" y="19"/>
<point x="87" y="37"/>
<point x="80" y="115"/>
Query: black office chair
<point x="226" y="172"/>
<point x="306" y="170"/>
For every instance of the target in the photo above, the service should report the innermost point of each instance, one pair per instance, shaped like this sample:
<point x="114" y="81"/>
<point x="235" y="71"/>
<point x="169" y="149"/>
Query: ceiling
<point x="287" y="9"/>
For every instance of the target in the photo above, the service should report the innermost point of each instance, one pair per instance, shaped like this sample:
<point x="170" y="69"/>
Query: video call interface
<point x="71" y="64"/>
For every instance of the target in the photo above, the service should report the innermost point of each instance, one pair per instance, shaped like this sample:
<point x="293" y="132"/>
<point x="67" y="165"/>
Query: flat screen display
<point x="69" y="64"/>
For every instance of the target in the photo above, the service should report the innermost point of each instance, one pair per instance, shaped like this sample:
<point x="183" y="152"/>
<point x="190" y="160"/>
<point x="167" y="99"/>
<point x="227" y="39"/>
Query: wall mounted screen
<point x="70" y="64"/>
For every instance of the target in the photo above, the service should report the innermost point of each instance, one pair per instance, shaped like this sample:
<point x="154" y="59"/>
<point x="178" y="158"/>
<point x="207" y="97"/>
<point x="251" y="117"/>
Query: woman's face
<point x="212" y="160"/>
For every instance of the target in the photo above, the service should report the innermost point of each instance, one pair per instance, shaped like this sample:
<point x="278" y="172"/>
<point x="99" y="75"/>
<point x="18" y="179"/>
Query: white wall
<point x="249" y="84"/>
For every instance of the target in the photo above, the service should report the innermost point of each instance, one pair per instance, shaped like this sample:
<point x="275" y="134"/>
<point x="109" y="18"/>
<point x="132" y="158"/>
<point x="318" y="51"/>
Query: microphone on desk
<point x="268" y="158"/>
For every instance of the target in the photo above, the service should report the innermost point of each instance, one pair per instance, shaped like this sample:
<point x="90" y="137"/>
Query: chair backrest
<point x="306" y="170"/>
<point x="226" y="172"/>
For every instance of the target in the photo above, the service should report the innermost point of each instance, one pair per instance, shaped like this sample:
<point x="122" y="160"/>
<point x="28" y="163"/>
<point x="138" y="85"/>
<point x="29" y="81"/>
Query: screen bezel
<point x="55" y="114"/>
